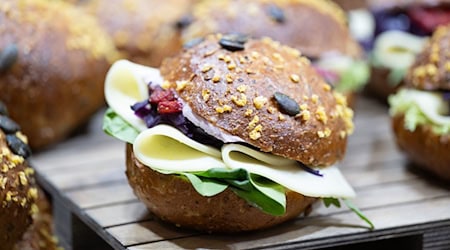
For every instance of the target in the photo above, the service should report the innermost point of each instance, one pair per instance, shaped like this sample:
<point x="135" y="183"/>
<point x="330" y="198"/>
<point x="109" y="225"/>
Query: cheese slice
<point x="125" y="85"/>
<point x="430" y="103"/>
<point x="288" y="173"/>
<point x="166" y="148"/>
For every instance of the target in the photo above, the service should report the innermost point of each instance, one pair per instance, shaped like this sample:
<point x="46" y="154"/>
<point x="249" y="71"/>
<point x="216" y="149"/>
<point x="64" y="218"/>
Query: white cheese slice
<point x="430" y="103"/>
<point x="397" y="49"/>
<point x="126" y="84"/>
<point x="166" y="148"/>
<point x="288" y="173"/>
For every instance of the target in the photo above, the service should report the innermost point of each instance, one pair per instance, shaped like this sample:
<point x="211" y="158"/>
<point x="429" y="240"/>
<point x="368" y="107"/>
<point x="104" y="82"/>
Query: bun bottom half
<point x="174" y="200"/>
<point x="425" y="148"/>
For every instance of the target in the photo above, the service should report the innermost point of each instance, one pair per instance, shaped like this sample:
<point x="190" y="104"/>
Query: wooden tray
<point x="95" y="208"/>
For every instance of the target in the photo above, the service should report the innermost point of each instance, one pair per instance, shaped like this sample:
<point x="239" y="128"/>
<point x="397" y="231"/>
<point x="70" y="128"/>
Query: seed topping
<point x="276" y="13"/>
<point x="8" y="57"/>
<point x="233" y="42"/>
<point x="286" y="104"/>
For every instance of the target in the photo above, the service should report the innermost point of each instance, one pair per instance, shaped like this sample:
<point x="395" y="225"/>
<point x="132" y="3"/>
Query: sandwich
<point x="399" y="30"/>
<point x="232" y="134"/>
<point x="328" y="43"/>
<point x="421" y="108"/>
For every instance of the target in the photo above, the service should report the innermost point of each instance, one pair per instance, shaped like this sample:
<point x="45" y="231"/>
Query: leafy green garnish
<point x="116" y="126"/>
<point x="401" y="103"/>
<point x="354" y="77"/>
<point x="206" y="186"/>
<point x="333" y="201"/>
<point x="358" y="212"/>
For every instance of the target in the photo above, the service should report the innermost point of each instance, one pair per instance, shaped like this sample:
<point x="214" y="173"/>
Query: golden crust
<point x="165" y="196"/>
<point x="145" y="31"/>
<point x="303" y="20"/>
<point x="56" y="83"/>
<point x="424" y="147"/>
<point x="431" y="70"/>
<point x="18" y="194"/>
<point x="234" y="91"/>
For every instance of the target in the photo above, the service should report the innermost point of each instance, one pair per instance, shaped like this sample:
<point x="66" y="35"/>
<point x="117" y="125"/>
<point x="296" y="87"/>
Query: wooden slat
<point x="103" y="195"/>
<point x="149" y="230"/>
<point x="134" y="211"/>
<point x="316" y="230"/>
<point x="98" y="173"/>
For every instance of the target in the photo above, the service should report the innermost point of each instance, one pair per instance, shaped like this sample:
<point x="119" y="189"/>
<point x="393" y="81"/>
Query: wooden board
<point x="96" y="209"/>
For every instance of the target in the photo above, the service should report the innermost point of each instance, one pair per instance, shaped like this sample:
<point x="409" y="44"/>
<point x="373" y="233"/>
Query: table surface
<point x="87" y="174"/>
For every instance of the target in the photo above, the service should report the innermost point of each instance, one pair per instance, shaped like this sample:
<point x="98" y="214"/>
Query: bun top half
<point x="265" y="93"/>
<point x="313" y="27"/>
<point x="431" y="70"/>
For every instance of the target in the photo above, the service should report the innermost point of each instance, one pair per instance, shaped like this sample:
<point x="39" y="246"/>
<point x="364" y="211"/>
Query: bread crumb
<point x="327" y="87"/>
<point x="321" y="115"/>
<point x="23" y="179"/>
<point x="32" y="194"/>
<point x="231" y="66"/>
<point x="255" y="134"/>
<point x="229" y="78"/>
<point x="315" y="98"/>
<point x="206" y="68"/>
<point x="206" y="94"/>
<point x="306" y="115"/>
<point x="216" y="78"/>
<point x="181" y="85"/>
<point x="242" y="88"/>
<point x="294" y="78"/>
<point x="253" y="122"/>
<point x="271" y="110"/>
<point x="255" y="55"/>
<point x="248" y="112"/>
<point x="259" y="102"/>
<point x="241" y="102"/>
<point x="281" y="117"/>
<point x="227" y="59"/>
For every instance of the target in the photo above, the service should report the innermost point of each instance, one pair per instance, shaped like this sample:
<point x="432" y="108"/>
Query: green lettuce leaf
<point x="413" y="115"/>
<point x="116" y="126"/>
<point x="354" y="77"/>
<point x="206" y="186"/>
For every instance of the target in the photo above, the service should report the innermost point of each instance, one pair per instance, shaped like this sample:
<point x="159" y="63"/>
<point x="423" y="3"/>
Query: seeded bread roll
<point x="39" y="235"/>
<point x="424" y="147"/>
<point x="52" y="67"/>
<point x="18" y="191"/>
<point x="264" y="93"/>
<point x="431" y="70"/>
<point x="145" y="31"/>
<point x="165" y="196"/>
<point x="296" y="23"/>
